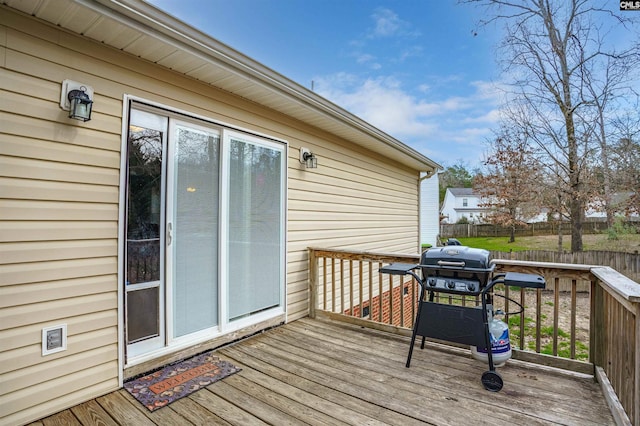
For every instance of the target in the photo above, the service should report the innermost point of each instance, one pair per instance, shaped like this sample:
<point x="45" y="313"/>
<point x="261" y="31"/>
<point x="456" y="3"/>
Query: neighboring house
<point x="178" y="218"/>
<point x="619" y="202"/>
<point x="465" y="202"/>
<point x="429" y="211"/>
<point x="462" y="203"/>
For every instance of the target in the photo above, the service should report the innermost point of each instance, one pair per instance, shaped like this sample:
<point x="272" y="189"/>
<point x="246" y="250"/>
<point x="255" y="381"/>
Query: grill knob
<point x="432" y="282"/>
<point x="471" y="287"/>
<point x="451" y="284"/>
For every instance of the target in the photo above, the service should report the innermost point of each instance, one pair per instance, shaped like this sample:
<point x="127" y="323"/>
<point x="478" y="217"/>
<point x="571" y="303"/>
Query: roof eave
<point x="158" y="24"/>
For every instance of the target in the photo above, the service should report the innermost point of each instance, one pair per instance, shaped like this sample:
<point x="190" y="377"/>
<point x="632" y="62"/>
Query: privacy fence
<point x="542" y="228"/>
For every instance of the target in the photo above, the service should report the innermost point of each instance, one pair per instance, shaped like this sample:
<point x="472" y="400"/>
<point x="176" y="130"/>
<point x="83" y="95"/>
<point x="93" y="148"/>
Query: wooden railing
<point x="595" y="332"/>
<point x="628" y="264"/>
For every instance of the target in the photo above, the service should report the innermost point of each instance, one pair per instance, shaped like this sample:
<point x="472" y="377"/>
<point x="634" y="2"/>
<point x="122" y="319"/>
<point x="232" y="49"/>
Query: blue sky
<point x="412" y="68"/>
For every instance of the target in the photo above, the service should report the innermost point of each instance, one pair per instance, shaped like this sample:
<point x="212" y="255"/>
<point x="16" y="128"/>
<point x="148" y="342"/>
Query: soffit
<point x="140" y="29"/>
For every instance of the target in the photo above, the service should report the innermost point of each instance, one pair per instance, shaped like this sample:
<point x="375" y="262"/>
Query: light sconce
<point x="308" y="158"/>
<point x="77" y="99"/>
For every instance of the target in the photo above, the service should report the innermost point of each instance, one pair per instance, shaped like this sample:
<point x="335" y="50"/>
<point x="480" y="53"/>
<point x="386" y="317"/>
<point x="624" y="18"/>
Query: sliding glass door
<point x="193" y="205"/>
<point x="255" y="224"/>
<point x="205" y="232"/>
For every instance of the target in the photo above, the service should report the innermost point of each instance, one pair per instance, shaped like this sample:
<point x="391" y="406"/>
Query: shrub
<point x="619" y="228"/>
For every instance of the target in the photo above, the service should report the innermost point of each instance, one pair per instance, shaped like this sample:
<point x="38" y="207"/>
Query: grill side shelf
<point x="398" y="268"/>
<point x="519" y="279"/>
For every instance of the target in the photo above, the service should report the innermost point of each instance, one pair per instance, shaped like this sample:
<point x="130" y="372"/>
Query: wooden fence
<point x="471" y="230"/>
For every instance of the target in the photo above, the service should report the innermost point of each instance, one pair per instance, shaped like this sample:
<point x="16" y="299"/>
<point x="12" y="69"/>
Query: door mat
<point x="175" y="381"/>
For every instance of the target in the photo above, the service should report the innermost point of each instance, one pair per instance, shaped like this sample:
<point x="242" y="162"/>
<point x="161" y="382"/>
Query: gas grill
<point x="462" y="271"/>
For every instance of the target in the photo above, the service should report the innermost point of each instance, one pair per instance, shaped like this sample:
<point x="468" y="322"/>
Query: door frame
<point x="225" y="327"/>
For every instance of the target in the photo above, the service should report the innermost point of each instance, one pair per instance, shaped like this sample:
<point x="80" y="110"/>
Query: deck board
<point x="330" y="373"/>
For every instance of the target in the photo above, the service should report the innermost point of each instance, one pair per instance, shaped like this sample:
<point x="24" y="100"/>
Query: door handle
<point x="169" y="233"/>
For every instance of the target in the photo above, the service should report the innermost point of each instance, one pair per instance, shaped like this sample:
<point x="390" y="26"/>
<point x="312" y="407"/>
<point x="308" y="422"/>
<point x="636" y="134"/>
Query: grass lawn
<point x="625" y="243"/>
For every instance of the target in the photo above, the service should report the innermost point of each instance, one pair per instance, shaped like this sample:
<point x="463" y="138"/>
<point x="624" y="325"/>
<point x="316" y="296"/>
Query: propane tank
<point x="500" y="344"/>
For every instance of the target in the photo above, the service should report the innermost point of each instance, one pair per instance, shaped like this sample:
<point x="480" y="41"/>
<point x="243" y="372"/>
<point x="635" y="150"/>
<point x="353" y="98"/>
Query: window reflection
<point x="144" y="204"/>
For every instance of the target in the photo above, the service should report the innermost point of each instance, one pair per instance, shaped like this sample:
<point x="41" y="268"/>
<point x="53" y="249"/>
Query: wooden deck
<point x="317" y="372"/>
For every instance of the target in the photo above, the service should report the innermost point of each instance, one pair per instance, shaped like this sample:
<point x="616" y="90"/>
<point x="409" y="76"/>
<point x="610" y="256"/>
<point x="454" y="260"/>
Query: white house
<point x="462" y="202"/>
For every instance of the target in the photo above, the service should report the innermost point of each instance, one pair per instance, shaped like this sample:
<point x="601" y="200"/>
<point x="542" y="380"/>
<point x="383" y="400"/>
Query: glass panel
<point x="255" y="228"/>
<point x="143" y="230"/>
<point x="195" y="298"/>
<point x="143" y="202"/>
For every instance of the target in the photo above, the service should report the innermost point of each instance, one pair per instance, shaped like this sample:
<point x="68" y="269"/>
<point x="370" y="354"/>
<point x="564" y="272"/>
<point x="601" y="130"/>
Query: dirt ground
<point x="547" y="321"/>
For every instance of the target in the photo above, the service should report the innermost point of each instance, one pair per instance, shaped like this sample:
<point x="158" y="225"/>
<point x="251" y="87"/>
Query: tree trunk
<point x="576" y="203"/>
<point x="559" y="223"/>
<point x="608" y="207"/>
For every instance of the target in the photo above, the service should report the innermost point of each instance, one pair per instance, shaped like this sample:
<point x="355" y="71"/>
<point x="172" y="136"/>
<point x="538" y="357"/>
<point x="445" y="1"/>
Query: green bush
<point x="619" y="228"/>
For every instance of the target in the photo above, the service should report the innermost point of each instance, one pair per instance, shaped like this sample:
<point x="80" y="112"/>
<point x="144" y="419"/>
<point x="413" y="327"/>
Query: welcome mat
<point x="175" y="381"/>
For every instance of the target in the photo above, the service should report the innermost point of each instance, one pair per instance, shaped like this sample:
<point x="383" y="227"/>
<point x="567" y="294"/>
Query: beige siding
<point x="58" y="237"/>
<point x="59" y="205"/>
<point x="352" y="200"/>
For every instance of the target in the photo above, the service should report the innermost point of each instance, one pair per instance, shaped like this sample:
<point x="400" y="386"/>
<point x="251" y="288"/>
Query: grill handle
<point x="448" y="263"/>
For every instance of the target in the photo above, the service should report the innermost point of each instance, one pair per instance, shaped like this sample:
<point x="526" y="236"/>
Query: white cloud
<point x="424" y="88"/>
<point x="388" y="24"/>
<point x="411" y="52"/>
<point x="368" y="60"/>
<point x="364" y="58"/>
<point x="454" y="126"/>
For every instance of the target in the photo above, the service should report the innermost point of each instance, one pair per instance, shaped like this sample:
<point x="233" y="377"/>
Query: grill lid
<point x="458" y="269"/>
<point x="457" y="257"/>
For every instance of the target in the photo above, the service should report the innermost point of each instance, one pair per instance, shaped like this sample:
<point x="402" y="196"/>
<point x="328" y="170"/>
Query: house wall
<point x="429" y="211"/>
<point x="59" y="186"/>
<point x="453" y="207"/>
<point x="448" y="208"/>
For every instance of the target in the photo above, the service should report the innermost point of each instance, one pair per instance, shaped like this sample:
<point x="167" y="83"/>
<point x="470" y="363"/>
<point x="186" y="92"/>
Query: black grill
<point x="456" y="269"/>
<point x="465" y="271"/>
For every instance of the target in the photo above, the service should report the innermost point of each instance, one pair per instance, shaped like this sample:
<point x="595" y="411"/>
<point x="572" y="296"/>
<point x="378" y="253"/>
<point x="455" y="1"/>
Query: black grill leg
<point x="415" y="330"/>
<point x="408" y="364"/>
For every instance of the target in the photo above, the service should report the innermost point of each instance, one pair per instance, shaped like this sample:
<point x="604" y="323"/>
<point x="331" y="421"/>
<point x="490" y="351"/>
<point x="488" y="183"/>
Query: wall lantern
<point x="80" y="105"/>
<point x="308" y="158"/>
<point x="77" y="99"/>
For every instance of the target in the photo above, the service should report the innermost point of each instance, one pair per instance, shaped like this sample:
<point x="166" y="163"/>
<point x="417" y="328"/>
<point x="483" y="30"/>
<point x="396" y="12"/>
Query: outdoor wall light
<point x="308" y="158"/>
<point x="77" y="99"/>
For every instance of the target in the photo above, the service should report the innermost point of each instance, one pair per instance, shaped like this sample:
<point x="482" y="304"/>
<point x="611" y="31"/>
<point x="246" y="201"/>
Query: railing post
<point x="313" y="283"/>
<point x="636" y="379"/>
<point x="595" y="324"/>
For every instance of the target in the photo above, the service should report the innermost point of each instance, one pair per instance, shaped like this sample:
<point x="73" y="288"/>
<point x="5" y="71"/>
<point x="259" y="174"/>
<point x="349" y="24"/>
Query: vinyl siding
<point x="58" y="232"/>
<point x="59" y="208"/>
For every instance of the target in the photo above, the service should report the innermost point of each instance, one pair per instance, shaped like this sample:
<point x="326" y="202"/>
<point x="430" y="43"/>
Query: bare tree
<point x="508" y="185"/>
<point x="605" y="89"/>
<point x="547" y="48"/>
<point x="625" y="161"/>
